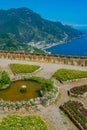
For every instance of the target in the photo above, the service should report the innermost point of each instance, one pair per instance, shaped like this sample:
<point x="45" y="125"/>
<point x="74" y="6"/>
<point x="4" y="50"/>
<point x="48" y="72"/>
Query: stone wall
<point x="78" y="61"/>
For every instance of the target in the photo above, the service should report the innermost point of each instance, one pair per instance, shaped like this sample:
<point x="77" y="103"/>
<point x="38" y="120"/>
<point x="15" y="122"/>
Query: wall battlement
<point x="68" y="60"/>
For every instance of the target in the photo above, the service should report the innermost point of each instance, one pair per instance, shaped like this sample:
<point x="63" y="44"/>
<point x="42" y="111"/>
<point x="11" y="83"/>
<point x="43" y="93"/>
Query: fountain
<point x="23" y="88"/>
<point x="20" y="90"/>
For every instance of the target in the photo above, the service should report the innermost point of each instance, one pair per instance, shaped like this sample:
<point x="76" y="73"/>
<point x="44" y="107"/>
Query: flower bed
<point x="68" y="74"/>
<point x="16" y="122"/>
<point x="50" y="97"/>
<point x="45" y="100"/>
<point x="23" y="68"/>
<point x="77" y="113"/>
<point x="77" y="91"/>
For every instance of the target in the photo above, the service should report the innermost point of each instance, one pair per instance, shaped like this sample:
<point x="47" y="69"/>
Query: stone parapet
<point x="44" y="58"/>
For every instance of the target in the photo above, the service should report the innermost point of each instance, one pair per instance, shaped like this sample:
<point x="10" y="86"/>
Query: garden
<point x="16" y="122"/>
<point x="23" y="89"/>
<point x="68" y="74"/>
<point x="27" y="88"/>
<point x="77" y="113"/>
<point x="80" y="90"/>
<point x="29" y="91"/>
<point x="23" y="68"/>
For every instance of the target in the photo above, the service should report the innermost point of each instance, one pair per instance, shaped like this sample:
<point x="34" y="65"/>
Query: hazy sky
<point x="66" y="11"/>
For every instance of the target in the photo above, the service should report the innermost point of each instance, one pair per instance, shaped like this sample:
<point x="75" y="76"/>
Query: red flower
<point x="85" y="113"/>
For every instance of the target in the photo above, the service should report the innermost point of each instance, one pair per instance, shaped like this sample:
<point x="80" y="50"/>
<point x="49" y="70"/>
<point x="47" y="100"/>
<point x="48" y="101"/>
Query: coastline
<point x="61" y="42"/>
<point x="54" y="44"/>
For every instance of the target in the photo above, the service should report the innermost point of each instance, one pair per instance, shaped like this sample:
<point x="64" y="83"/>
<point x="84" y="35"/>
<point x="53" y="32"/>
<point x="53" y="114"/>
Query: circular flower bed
<point x="48" y="92"/>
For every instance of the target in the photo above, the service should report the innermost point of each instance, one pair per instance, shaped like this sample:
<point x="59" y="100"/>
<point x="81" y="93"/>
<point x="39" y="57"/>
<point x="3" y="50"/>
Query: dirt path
<point x="56" y="119"/>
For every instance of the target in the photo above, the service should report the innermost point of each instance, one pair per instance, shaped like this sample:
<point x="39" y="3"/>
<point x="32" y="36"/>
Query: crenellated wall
<point x="45" y="58"/>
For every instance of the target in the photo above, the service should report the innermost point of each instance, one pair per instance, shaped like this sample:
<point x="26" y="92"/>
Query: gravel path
<point x="47" y="68"/>
<point x="55" y="118"/>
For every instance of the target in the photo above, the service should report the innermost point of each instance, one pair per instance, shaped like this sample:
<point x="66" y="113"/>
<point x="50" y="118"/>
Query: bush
<point x="4" y="78"/>
<point x="23" y="68"/>
<point x="67" y="74"/>
<point x="16" y="122"/>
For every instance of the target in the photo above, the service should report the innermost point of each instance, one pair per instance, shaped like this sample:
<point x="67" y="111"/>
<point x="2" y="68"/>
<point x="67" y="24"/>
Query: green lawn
<point x="23" y="68"/>
<point x="68" y="74"/>
<point x="16" y="122"/>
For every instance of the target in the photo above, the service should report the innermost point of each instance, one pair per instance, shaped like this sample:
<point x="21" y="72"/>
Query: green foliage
<point x="23" y="68"/>
<point x="16" y="122"/>
<point x="8" y="43"/>
<point x="23" y="90"/>
<point x="4" y="78"/>
<point x="51" y="94"/>
<point x="4" y="35"/>
<point x="24" y="26"/>
<point x="67" y="74"/>
<point x="47" y="84"/>
<point x="80" y="90"/>
<point x="77" y="113"/>
<point x="16" y="105"/>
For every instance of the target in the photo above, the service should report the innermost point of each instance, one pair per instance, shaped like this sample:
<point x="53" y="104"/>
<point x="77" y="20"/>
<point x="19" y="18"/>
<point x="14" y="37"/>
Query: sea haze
<point x="74" y="47"/>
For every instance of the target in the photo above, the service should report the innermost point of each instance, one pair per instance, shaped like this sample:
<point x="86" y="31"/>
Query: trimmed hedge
<point x="68" y="74"/>
<point x="23" y="68"/>
<point x="16" y="122"/>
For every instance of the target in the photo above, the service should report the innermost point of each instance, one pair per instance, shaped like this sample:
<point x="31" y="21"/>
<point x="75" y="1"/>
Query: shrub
<point x="4" y="78"/>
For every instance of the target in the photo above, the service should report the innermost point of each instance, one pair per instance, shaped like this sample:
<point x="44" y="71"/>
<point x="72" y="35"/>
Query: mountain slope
<point x="11" y="44"/>
<point x="25" y="27"/>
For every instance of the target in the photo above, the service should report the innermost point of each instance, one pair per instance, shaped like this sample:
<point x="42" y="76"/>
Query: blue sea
<point x="74" y="47"/>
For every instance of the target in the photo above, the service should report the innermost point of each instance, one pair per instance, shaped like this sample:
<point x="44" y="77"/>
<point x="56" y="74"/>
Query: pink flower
<point x="85" y="113"/>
